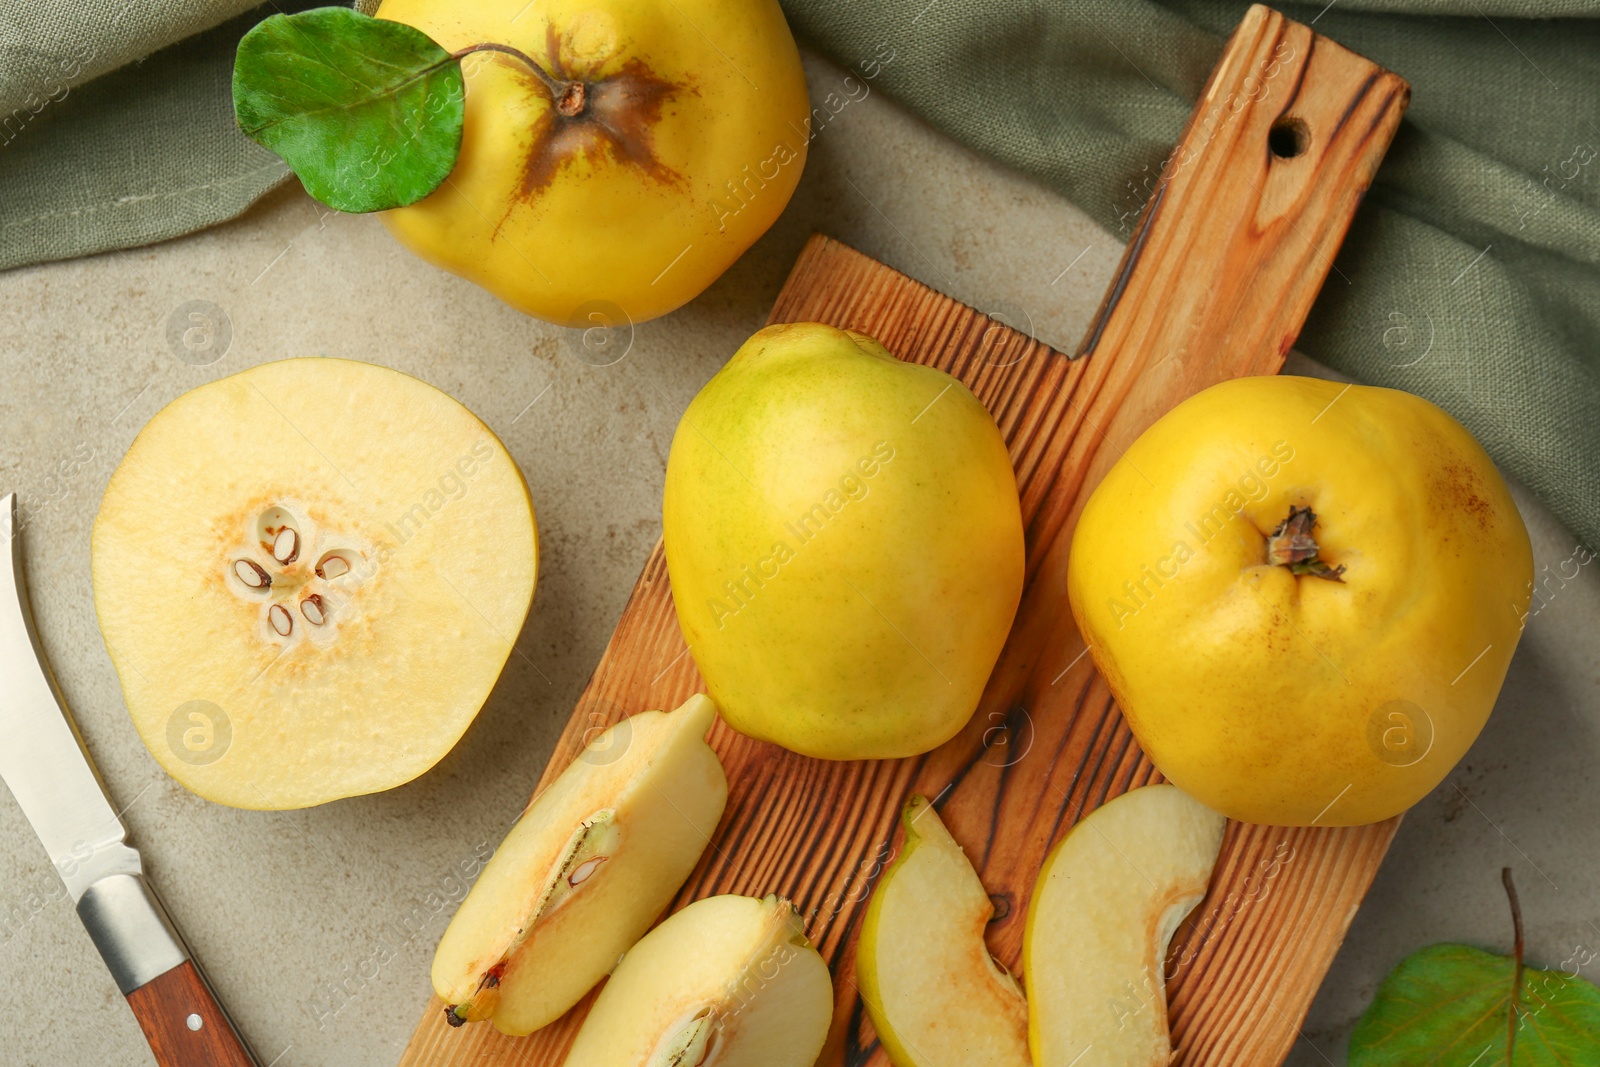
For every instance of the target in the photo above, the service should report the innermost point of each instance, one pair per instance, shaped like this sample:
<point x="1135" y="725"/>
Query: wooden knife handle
<point x="184" y="1024"/>
<point x="169" y="995"/>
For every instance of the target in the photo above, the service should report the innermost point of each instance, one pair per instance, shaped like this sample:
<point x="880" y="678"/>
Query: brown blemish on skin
<point x="1460" y="485"/>
<point x="612" y="116"/>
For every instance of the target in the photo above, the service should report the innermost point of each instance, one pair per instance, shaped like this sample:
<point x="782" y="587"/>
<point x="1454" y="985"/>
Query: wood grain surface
<point x="1230" y="251"/>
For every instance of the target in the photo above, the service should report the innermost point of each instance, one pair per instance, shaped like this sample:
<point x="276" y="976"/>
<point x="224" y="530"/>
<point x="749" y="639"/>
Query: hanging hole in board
<point x="1288" y="138"/>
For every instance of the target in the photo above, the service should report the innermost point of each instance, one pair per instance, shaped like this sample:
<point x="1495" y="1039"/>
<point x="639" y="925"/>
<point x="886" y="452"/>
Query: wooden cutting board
<point x="1231" y="248"/>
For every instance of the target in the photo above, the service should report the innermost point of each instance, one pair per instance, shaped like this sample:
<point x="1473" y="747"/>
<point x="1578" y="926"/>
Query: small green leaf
<point x="1449" y="1006"/>
<point x="367" y="112"/>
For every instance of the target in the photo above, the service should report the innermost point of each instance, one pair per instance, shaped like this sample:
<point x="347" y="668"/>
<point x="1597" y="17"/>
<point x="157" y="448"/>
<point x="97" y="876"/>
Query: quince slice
<point x="934" y="994"/>
<point x="593" y="861"/>
<point x="1104" y="909"/>
<point x="729" y="981"/>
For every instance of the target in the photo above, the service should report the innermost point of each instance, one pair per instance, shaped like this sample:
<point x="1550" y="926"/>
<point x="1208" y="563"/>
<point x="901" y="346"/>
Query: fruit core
<point x="593" y="843"/>
<point x="302" y="579"/>
<point x="1293" y="545"/>
<point x="692" y="1044"/>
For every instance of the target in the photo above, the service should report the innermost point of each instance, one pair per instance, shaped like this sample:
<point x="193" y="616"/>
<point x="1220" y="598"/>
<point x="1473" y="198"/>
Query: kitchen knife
<point x="46" y="767"/>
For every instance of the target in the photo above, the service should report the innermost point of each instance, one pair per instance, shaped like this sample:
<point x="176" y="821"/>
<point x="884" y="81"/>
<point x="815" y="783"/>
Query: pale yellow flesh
<point x="653" y="791"/>
<point x="845" y="544"/>
<point x="435" y="518"/>
<point x="729" y="981"/>
<point x="1104" y="909"/>
<point x="935" y="996"/>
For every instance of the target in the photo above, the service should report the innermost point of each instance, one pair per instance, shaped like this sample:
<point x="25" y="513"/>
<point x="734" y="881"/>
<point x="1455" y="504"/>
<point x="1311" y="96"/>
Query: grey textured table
<point x="317" y="926"/>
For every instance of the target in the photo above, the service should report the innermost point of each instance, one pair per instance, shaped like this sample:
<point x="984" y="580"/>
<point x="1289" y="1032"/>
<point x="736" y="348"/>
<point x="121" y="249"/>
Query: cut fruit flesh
<point x="728" y="981"/>
<point x="1104" y="910"/>
<point x="309" y="576"/>
<point x="592" y="862"/>
<point x="935" y="996"/>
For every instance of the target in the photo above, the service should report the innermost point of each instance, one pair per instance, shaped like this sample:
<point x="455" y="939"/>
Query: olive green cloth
<point x="1471" y="274"/>
<point x="116" y="124"/>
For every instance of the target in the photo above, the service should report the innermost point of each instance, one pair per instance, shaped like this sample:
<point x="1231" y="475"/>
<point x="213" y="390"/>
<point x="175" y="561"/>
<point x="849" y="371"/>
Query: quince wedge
<point x="729" y="980"/>
<point x="593" y="861"/>
<point x="1105" y="906"/>
<point x="934" y="994"/>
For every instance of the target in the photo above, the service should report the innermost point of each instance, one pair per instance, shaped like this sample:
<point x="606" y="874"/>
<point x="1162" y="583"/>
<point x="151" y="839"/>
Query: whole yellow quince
<point x="651" y="147"/>
<point x="844" y="541"/>
<point x="1304" y="596"/>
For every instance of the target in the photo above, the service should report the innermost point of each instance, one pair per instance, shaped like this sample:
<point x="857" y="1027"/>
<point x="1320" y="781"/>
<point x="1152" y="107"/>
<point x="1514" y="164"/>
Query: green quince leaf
<point x="367" y="112"/>
<point x="1450" y="1006"/>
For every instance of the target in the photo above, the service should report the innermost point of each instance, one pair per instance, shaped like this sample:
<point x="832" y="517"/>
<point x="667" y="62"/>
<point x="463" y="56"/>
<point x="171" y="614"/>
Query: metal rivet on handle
<point x="194" y="1022"/>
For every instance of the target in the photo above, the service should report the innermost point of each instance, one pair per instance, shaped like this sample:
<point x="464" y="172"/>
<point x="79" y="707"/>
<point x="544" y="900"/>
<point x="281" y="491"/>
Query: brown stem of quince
<point x="1292" y="545"/>
<point x="569" y="97"/>
<point x="1516" y="976"/>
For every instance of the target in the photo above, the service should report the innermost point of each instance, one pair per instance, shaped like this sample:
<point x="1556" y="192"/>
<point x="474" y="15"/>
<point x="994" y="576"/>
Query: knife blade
<point x="45" y="764"/>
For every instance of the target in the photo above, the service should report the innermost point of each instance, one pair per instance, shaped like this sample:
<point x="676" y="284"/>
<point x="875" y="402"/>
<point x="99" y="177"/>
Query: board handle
<point x="1240" y="230"/>
<point x="184" y="1024"/>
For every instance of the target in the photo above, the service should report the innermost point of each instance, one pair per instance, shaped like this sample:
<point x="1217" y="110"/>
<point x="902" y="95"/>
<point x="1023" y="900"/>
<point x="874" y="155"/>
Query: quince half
<point x="309" y="576"/>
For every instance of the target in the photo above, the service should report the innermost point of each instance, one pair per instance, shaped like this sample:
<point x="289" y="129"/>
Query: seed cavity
<point x="248" y="572"/>
<point x="582" y="871"/>
<point x="286" y="546"/>
<point x="289" y="590"/>
<point x="271" y="525"/>
<point x="311" y="607"/>
<point x="693" y="1044"/>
